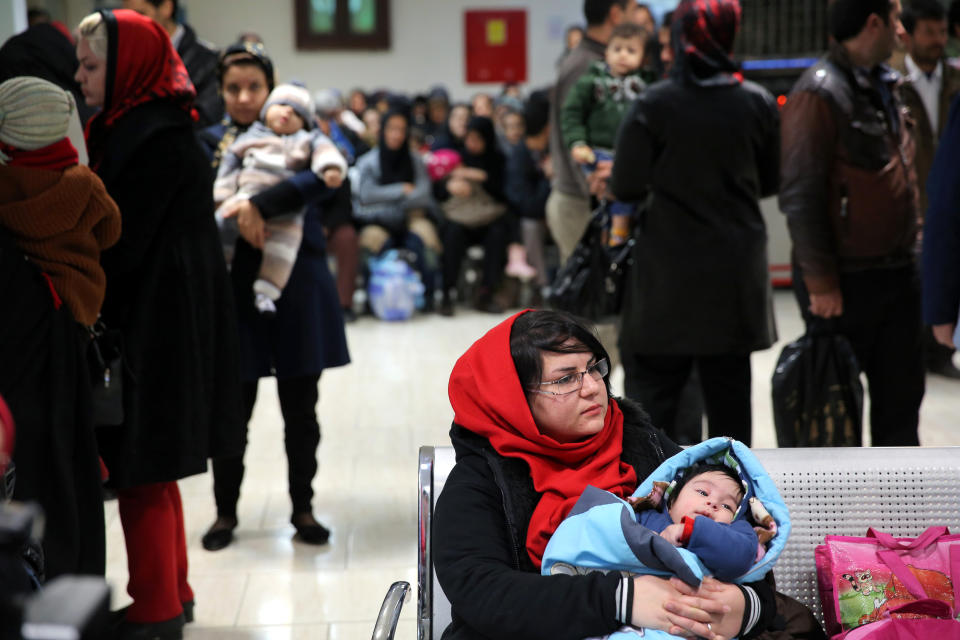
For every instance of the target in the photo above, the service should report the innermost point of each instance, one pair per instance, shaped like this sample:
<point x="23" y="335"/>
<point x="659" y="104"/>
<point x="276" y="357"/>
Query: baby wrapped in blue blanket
<point x="709" y="510"/>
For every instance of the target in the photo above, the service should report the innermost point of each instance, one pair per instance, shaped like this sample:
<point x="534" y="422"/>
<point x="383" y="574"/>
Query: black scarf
<point x="491" y="160"/>
<point x="396" y="165"/>
<point x="44" y="52"/>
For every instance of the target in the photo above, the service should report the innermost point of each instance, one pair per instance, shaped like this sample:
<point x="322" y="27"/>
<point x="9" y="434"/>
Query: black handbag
<point x="817" y="393"/>
<point x="105" y="359"/>
<point x="590" y="283"/>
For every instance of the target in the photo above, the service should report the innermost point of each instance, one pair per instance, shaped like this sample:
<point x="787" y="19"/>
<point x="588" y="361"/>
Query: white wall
<point x="427" y="43"/>
<point x="13" y="18"/>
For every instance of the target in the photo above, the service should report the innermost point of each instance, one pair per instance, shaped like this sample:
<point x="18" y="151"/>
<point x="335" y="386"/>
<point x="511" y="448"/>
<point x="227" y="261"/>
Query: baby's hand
<point x="583" y="154"/>
<point x="332" y="177"/>
<point x="672" y="534"/>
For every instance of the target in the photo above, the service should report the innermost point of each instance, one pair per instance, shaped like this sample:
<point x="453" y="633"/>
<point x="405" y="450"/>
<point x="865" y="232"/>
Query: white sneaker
<point x="264" y="304"/>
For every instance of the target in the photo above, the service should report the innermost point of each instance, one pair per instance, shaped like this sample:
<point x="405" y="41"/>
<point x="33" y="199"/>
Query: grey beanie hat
<point x="34" y="113"/>
<point x="293" y="96"/>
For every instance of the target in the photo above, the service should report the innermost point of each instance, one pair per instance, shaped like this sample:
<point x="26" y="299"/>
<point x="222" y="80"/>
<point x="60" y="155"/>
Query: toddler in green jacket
<point x="597" y="103"/>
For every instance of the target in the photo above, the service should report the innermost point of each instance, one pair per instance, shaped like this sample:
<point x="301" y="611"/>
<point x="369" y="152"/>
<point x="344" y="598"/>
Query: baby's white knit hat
<point x="294" y="96"/>
<point x="34" y="113"/>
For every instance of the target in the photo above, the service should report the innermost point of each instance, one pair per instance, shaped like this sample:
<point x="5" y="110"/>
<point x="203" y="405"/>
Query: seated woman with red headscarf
<point x="169" y="296"/>
<point x="534" y="424"/>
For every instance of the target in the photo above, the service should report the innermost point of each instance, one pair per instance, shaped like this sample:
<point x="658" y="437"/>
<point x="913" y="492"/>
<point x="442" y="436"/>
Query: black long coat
<point x="699" y="284"/>
<point x="44" y="380"/>
<point x="168" y="292"/>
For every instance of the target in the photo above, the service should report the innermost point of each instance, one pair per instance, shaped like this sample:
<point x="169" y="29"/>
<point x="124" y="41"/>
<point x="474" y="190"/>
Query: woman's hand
<point x="459" y="187"/>
<point x="662" y="604"/>
<point x="723" y="601"/>
<point x="249" y="221"/>
<point x="944" y="334"/>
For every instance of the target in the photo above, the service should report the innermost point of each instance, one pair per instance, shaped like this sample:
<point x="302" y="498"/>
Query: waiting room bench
<point x="829" y="490"/>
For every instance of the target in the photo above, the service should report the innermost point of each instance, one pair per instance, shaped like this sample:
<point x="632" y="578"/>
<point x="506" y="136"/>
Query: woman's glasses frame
<point x="601" y="367"/>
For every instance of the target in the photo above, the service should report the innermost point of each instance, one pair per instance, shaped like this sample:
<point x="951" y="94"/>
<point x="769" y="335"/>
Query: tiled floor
<point x="374" y="413"/>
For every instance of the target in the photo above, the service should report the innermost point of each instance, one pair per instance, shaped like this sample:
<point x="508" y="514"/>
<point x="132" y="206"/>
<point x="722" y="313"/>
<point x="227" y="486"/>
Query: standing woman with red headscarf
<point x="168" y="294"/>
<point x="704" y="145"/>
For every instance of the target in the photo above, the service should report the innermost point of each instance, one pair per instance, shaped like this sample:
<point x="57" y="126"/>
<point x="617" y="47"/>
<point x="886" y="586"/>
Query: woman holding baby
<point x="534" y="424"/>
<point x="306" y="334"/>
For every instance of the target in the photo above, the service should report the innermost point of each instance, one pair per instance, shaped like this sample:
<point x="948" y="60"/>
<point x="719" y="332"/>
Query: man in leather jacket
<point x="848" y="188"/>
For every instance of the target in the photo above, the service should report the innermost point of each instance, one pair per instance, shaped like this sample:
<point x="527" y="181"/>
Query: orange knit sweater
<point x="62" y="220"/>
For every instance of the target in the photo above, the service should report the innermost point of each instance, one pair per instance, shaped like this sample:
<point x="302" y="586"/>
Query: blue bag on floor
<point x="394" y="288"/>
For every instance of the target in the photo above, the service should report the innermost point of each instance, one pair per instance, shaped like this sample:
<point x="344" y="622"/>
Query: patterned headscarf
<point x="703" y="32"/>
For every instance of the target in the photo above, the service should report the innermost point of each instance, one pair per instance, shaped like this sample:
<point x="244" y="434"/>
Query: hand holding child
<point x="333" y="177"/>
<point x="583" y="154"/>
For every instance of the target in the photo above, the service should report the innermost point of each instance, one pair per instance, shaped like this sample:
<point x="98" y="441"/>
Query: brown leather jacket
<point x="847" y="178"/>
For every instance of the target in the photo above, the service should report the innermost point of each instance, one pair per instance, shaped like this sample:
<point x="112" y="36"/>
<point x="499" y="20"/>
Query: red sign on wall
<point x="496" y="45"/>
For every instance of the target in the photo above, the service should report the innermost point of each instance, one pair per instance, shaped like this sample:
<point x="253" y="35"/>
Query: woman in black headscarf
<point x="473" y="199"/>
<point x="44" y="51"/>
<point x="704" y="144"/>
<point x="392" y="200"/>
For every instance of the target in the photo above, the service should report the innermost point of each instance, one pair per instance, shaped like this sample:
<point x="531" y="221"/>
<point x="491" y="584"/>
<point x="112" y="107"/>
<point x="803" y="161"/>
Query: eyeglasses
<point x="573" y="382"/>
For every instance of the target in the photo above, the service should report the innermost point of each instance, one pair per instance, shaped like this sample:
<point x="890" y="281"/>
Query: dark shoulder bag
<point x="105" y="359"/>
<point x="590" y="283"/>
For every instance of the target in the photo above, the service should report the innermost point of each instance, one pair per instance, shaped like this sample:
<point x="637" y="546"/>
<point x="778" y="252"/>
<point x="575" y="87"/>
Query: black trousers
<point x="881" y="319"/>
<point x="658" y="381"/>
<point x="298" y="405"/>
<point x="457" y="238"/>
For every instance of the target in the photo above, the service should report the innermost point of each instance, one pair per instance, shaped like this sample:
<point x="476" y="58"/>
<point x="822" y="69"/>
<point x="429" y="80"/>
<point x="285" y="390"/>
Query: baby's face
<point x="283" y="120"/>
<point x="624" y="55"/>
<point x="713" y="494"/>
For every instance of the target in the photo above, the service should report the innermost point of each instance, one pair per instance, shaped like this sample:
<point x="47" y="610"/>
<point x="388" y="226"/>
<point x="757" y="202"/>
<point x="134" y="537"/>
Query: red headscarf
<point x="488" y="399"/>
<point x="703" y="32"/>
<point x="142" y="66"/>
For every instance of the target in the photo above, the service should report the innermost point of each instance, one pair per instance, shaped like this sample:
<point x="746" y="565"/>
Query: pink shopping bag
<point x="863" y="580"/>
<point x="935" y="624"/>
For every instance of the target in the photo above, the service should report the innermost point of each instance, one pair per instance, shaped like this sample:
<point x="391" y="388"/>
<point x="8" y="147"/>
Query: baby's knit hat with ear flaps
<point x="34" y="113"/>
<point x="293" y="96"/>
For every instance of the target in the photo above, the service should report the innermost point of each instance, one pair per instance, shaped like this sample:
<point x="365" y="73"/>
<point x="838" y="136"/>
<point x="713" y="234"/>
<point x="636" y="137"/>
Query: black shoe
<point x="171" y="629"/>
<point x="446" y="306"/>
<point x="309" y="530"/>
<point x="945" y="368"/>
<point x="487" y="303"/>
<point x="348" y="315"/>
<point x="219" y="535"/>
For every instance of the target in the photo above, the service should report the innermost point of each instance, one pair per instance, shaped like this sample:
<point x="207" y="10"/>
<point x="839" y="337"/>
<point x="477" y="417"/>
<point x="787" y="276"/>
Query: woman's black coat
<point x="45" y="382"/>
<point x="168" y="293"/>
<point x="699" y="284"/>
